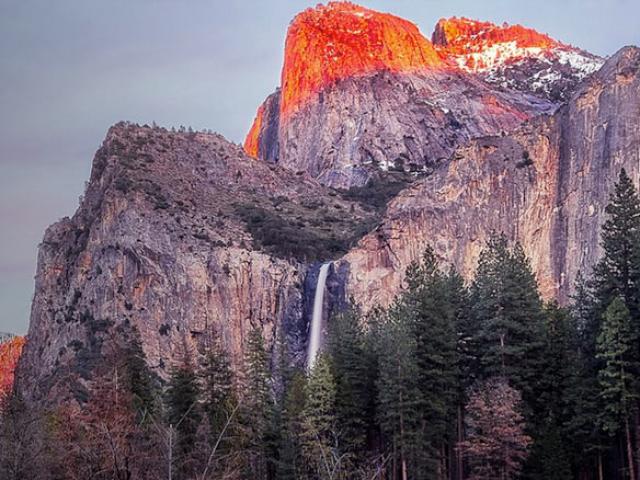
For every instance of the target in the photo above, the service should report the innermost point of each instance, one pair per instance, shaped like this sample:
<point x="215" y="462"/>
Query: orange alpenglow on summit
<point x="9" y="354"/>
<point x="252" y="142"/>
<point x="339" y="40"/>
<point x="465" y="37"/>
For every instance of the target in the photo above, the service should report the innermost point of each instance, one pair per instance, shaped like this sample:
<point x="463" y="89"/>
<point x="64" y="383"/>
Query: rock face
<point x="515" y="57"/>
<point x="364" y="91"/>
<point x="545" y="185"/>
<point x="342" y="40"/>
<point x="181" y="233"/>
<point x="10" y="350"/>
<point x="160" y="242"/>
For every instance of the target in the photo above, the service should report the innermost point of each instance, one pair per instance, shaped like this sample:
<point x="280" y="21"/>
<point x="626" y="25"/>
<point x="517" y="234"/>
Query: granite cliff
<point x="182" y="233"/>
<point x="178" y="234"/>
<point x="545" y="185"/>
<point x="363" y="91"/>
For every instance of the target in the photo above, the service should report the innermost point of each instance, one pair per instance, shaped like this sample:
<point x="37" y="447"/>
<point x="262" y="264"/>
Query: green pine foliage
<point x="183" y="416"/>
<point x="354" y="384"/>
<point x="257" y="406"/>
<point x="140" y="381"/>
<point x="616" y="348"/>
<point x="399" y="394"/>
<point x="218" y="396"/>
<point x="509" y="316"/>
<point x="433" y="320"/>
<point x="618" y="273"/>
<point x="320" y="424"/>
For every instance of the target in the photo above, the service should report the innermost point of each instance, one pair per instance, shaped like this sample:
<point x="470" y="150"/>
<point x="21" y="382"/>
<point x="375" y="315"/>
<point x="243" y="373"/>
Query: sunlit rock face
<point x="341" y="40"/>
<point x="545" y="185"/>
<point x="513" y="56"/>
<point x="10" y="350"/>
<point x="364" y="91"/>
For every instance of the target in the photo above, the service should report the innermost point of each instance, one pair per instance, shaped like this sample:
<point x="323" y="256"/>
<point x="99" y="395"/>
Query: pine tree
<point x="354" y="389"/>
<point x="509" y="317"/>
<point x="218" y="394"/>
<point x="291" y="465"/>
<point x="616" y="348"/>
<point x="319" y="425"/>
<point x="582" y="395"/>
<point x="548" y="459"/>
<point x="618" y="273"/>
<point x="399" y="395"/>
<point x="257" y="405"/>
<point x="183" y="416"/>
<point x="433" y="317"/>
<point x="139" y="380"/>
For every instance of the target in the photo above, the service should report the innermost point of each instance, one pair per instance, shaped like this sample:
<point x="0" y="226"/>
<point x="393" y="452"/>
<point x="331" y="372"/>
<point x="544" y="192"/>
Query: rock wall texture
<point x="546" y="185"/>
<point x="10" y="350"/>
<point x="385" y="121"/>
<point x="364" y="91"/>
<point x="157" y="244"/>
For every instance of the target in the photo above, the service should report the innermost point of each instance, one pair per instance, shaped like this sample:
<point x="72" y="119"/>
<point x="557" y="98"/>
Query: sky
<point x="71" y="68"/>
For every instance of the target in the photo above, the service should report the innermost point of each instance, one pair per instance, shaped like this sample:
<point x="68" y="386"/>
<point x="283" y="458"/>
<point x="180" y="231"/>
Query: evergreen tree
<point x="618" y="273"/>
<point x="616" y="348"/>
<point x="582" y="395"/>
<point x="548" y="459"/>
<point x="217" y="393"/>
<point x="433" y="318"/>
<point x="291" y="464"/>
<point x="319" y="424"/>
<point x="257" y="406"/>
<point x="140" y="381"/>
<point x="399" y="395"/>
<point x="509" y="317"/>
<point x="183" y="416"/>
<point x="354" y="390"/>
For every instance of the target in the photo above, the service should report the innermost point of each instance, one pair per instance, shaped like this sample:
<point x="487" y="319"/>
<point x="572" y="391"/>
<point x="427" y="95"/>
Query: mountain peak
<point x="464" y="35"/>
<point x="339" y="40"/>
<point x="514" y="56"/>
<point x="478" y="46"/>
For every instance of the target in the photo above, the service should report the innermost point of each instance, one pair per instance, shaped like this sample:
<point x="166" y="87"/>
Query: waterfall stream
<point x="316" y="319"/>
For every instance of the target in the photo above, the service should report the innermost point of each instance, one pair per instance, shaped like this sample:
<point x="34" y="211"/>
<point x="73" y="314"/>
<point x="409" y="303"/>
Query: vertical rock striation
<point x="546" y="185"/>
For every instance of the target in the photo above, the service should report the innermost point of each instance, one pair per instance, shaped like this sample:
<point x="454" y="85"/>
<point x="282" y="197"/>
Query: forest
<point x="455" y="380"/>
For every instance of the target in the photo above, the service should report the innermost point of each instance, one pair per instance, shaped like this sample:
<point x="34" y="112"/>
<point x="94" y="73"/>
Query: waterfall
<point x="316" y="319"/>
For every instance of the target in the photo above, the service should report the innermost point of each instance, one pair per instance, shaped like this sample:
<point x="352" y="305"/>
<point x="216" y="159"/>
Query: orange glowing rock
<point x="252" y="142"/>
<point x="477" y="46"/>
<point x="9" y="354"/>
<point x="341" y="40"/>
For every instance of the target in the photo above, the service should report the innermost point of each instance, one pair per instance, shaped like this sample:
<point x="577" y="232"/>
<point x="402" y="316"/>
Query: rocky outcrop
<point x="514" y="57"/>
<point x="10" y="350"/>
<point x="546" y="185"/>
<point x="363" y="91"/>
<point x="181" y="233"/>
<point x="164" y="241"/>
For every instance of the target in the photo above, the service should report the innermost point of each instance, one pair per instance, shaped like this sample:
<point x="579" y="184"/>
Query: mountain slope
<point x="178" y="234"/>
<point x="364" y="91"/>
<point x="546" y="185"/>
<point x="514" y="57"/>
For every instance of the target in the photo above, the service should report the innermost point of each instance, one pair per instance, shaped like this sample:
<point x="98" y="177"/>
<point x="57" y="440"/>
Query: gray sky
<point x="71" y="68"/>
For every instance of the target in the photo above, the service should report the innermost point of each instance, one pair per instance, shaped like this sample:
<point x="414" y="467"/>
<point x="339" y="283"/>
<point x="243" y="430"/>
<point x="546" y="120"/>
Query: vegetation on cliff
<point x="477" y="381"/>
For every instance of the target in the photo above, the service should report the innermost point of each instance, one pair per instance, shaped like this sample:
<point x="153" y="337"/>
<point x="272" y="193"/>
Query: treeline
<point x="455" y="380"/>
